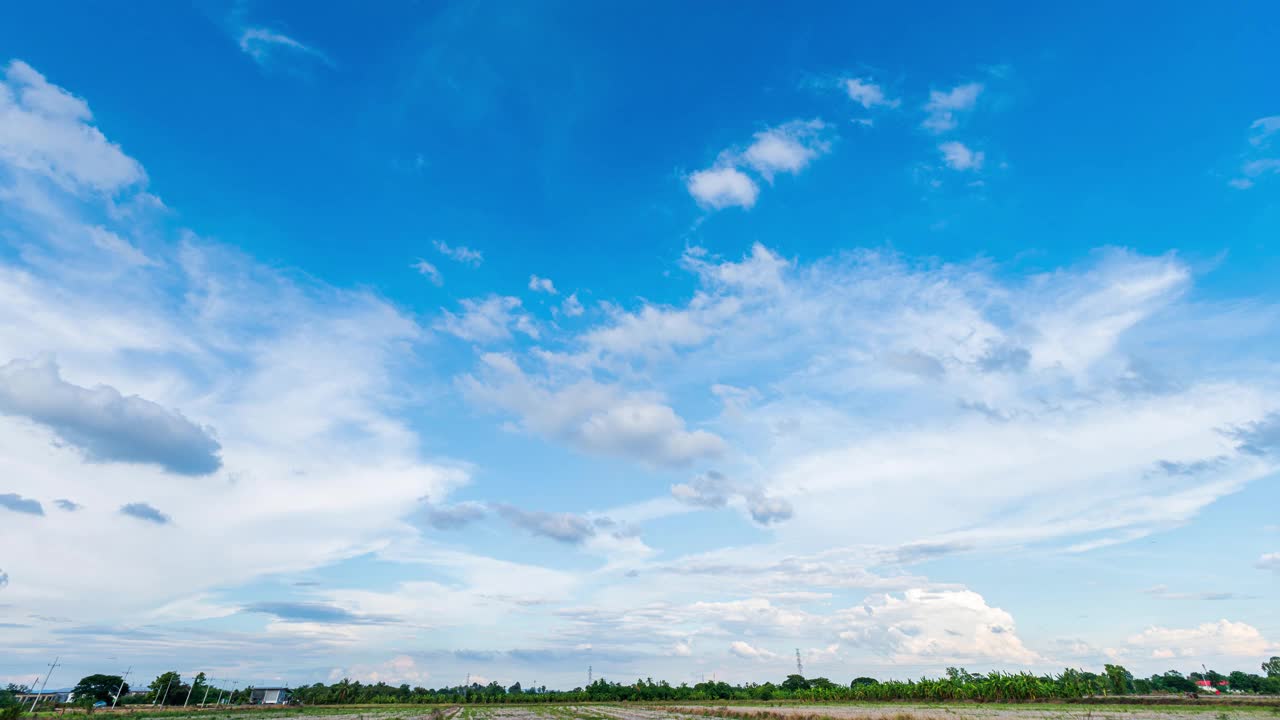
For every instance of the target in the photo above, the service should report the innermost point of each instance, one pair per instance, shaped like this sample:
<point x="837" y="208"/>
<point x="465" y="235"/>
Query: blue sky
<point x="429" y="339"/>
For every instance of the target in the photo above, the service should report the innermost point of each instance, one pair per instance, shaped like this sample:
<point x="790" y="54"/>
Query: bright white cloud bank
<point x="168" y="403"/>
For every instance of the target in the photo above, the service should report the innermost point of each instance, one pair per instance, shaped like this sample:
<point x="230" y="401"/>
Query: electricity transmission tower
<point x="589" y="679"/>
<point x="799" y="665"/>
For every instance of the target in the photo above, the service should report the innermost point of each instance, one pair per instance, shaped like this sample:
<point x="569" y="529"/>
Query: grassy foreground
<point x="1212" y="708"/>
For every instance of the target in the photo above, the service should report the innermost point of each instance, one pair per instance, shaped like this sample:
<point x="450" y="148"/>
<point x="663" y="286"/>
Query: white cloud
<point x="542" y="285"/>
<point x="787" y="148"/>
<point x="721" y="187"/>
<point x="592" y="416"/>
<point x="1215" y="639"/>
<point x="294" y="375"/>
<point x="1262" y="130"/>
<point x="935" y="627"/>
<point x="429" y="271"/>
<point x="713" y="490"/>
<point x="105" y="425"/>
<point x="868" y="94"/>
<point x="47" y="131"/>
<point x="488" y="320"/>
<point x="460" y="253"/>
<point x="1256" y="165"/>
<point x="398" y="670"/>
<point x="572" y="307"/>
<point x="749" y="652"/>
<point x="1269" y="561"/>
<point x="268" y="47"/>
<point x="942" y="108"/>
<point x="958" y="156"/>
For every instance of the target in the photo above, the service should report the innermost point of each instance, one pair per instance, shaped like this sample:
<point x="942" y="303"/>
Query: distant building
<point x="1211" y="687"/>
<point x="269" y="696"/>
<point x="53" y="696"/>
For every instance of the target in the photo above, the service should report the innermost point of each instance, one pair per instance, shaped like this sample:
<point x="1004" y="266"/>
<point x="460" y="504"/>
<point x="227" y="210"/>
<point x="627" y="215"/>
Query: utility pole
<point x="190" y="690"/>
<point x="45" y="684"/>
<point x="232" y="697"/>
<point x="207" y="688"/>
<point x="120" y="691"/>
<point x="166" y="691"/>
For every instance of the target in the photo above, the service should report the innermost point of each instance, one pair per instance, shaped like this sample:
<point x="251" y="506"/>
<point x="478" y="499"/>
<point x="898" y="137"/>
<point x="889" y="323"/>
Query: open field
<point x="1201" y="709"/>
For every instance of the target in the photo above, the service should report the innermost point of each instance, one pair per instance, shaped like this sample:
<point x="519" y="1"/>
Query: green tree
<point x="100" y="687"/>
<point x="1119" y="680"/>
<point x="199" y="686"/>
<point x="165" y="688"/>
<point x="1272" y="667"/>
<point x="795" y="682"/>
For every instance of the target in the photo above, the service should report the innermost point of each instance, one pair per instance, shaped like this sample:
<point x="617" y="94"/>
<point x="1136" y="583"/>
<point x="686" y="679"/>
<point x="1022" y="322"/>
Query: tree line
<point x="169" y="689"/>
<point x="958" y="684"/>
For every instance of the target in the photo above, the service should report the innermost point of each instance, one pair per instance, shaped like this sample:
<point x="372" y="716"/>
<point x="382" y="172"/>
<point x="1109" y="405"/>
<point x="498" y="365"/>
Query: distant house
<point x="269" y="696"/>
<point x="1211" y="687"/>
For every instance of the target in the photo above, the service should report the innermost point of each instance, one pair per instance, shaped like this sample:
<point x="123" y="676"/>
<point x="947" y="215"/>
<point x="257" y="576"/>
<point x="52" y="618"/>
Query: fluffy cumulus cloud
<point x="959" y="156"/>
<point x="868" y="94"/>
<point x="105" y="425"/>
<point x="935" y="626"/>
<point x="944" y="107"/>
<point x="542" y="285"/>
<point x="488" y="320"/>
<point x="572" y="306"/>
<point x="593" y="416"/>
<point x="1222" y="639"/>
<point x="396" y="671"/>
<point x="786" y="148"/>
<point x="721" y="187"/>
<point x="749" y="652"/>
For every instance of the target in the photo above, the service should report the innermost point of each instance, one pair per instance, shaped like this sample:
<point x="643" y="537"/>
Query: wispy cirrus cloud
<point x="1259" y="161"/>
<point x="269" y="48"/>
